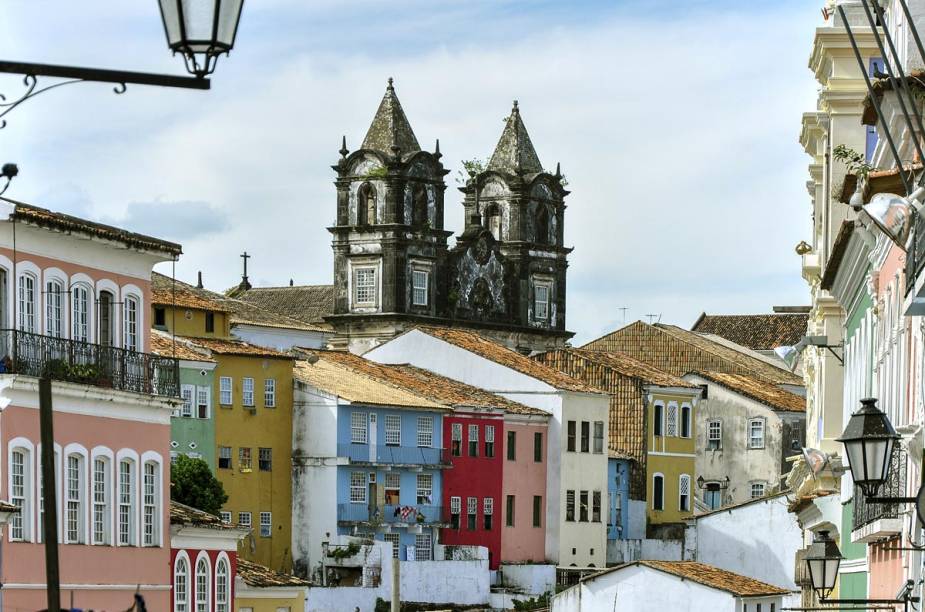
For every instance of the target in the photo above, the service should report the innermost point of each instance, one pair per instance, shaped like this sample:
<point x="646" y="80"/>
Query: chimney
<point x="199" y="281"/>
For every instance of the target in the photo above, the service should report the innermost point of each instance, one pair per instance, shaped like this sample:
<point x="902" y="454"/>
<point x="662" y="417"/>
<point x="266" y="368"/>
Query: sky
<point x="676" y="124"/>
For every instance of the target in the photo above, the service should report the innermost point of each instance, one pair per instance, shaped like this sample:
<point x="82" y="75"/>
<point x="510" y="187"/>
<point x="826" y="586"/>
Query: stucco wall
<point x="193" y="435"/>
<point x="523" y="478"/>
<point x="530" y="579"/>
<point x="279" y="339"/>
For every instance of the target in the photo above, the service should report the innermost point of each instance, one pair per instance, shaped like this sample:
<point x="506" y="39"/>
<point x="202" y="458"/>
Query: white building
<point x="679" y="586"/>
<point x="573" y="406"/>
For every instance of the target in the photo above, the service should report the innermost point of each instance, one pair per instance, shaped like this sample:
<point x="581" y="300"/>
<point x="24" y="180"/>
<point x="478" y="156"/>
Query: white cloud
<point x="678" y="137"/>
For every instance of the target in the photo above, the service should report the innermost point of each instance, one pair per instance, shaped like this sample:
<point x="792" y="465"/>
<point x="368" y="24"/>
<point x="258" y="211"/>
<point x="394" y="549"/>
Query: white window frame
<point x="358" y="487"/>
<point x="260" y="459"/>
<point x="21" y="527"/>
<point x="187" y="393"/>
<point x="671" y="420"/>
<point x="226" y="391"/>
<point x="684" y="483"/>
<point x="54" y="308"/>
<point x="181" y="570"/>
<point x="472" y="505"/>
<point x="27" y="302"/>
<point x="662" y="477"/>
<point x="75" y="497"/>
<point x="758" y="487"/>
<point x="244" y="519"/>
<point x="150" y="503"/>
<point x="203" y="592"/>
<point x="424" y="487"/>
<point x="130" y="323"/>
<point x="359" y="427"/>
<point x="247" y="392"/>
<point x="395" y="539"/>
<point x="753" y="441"/>
<point x="266" y="524"/>
<point x="690" y="421"/>
<point x="658" y="424"/>
<point x="423" y="546"/>
<point x="541" y="310"/>
<point x="598" y="444"/>
<point x="101" y="491"/>
<point x="715" y="433"/>
<point x="225" y="516"/>
<point x="81" y="313"/>
<point x="230" y="457"/>
<point x="127" y="501"/>
<point x="369" y="298"/>
<point x="420" y="287"/>
<point x="269" y="393"/>
<point x="392" y="430"/>
<point x="455" y="504"/>
<point x="425" y="433"/>
<point x="203" y="400"/>
<point x="222" y="590"/>
<point x="488" y="506"/>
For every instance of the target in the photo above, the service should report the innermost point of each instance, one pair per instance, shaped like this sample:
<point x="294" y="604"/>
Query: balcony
<point x="915" y="257"/>
<point x="393" y="455"/>
<point x="875" y="521"/>
<point x="90" y="364"/>
<point x="399" y="516"/>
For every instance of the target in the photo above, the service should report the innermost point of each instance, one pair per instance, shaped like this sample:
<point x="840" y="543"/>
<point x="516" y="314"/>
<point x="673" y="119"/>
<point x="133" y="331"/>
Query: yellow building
<point x="184" y="310"/>
<point x="253" y="437"/>
<point x="260" y="589"/>
<point x="670" y="453"/>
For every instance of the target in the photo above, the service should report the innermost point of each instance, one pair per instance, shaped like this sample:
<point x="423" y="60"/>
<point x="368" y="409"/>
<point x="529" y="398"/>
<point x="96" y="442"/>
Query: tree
<point x="193" y="484"/>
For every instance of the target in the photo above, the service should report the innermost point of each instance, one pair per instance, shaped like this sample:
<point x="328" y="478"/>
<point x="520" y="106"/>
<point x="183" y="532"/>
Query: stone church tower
<point x="504" y="278"/>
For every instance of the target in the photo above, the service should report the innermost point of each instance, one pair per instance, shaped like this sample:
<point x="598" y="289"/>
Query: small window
<point x="425" y="432"/>
<point x="541" y="302"/>
<point x="244" y="459"/>
<point x="509" y="519"/>
<point x="537" y="510"/>
<point x="224" y="457"/>
<point x="757" y="489"/>
<point x="392" y="488"/>
<point x="456" y="439"/>
<point x="20" y="489"/>
<point x="244" y="519"/>
<point x="366" y="204"/>
<point x="423" y="547"/>
<point x="585" y="437"/>
<point x="714" y="435"/>
<point x="538" y="447"/>
<point x="395" y="540"/>
<point x="202" y="402"/>
<point x="210" y="322"/>
<point x="756" y="433"/>
<point x="358" y="428"/>
<point x="160" y="317"/>
<point x="358" y="487"/>
<point x="364" y="287"/>
<point x="570" y="506"/>
<point x="512" y="446"/>
<point x="658" y="418"/>
<point x="658" y="492"/>
<point x="130" y="317"/>
<point x="684" y="493"/>
<point x="151" y="476"/>
<point x="247" y="392"/>
<point x="582" y="506"/>
<point x="685" y="421"/>
<point x="186" y="393"/>
<point x="473" y="440"/>
<point x="266" y="524"/>
<point x="425" y="489"/>
<point x="269" y="393"/>
<point x="489" y="440"/>
<point x="488" y="510"/>
<point x="27" y="305"/>
<point x="472" y="505"/>
<point x="225" y="395"/>
<point x="570" y="439"/>
<point x="599" y="437"/>
<point x="455" y="510"/>
<point x="595" y="506"/>
<point x="671" y="422"/>
<point x="419" y="281"/>
<point x="225" y="517"/>
<point x="392" y="430"/>
<point x="265" y="459"/>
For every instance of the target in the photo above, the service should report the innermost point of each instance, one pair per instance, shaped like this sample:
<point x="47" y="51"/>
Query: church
<point x="505" y="276"/>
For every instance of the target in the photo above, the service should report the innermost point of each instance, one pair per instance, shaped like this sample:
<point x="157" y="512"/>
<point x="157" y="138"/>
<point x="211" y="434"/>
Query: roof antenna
<point x="199" y="281"/>
<point x="623" y="310"/>
<point x="657" y="318"/>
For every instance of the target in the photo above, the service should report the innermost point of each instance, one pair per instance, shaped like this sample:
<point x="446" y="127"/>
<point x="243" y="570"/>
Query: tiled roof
<point x="181" y="514"/>
<point x="679" y="351"/>
<point x="626" y="365"/>
<point x="306" y="303"/>
<point x="165" y="345"/>
<point x="61" y="222"/>
<point x="259" y="576"/>
<point x="235" y="347"/>
<point x="166" y="289"/>
<point x="502" y="355"/>
<point x="759" y="390"/>
<point x="331" y="375"/>
<point x="708" y="575"/>
<point x="762" y="332"/>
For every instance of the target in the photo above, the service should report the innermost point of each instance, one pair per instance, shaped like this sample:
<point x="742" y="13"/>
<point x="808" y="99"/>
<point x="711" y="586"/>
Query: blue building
<point x="368" y="458"/>
<point x="618" y="490"/>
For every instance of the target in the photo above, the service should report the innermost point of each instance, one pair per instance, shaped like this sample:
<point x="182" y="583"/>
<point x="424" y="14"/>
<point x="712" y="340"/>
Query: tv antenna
<point x="623" y="310"/>
<point x="657" y="318"/>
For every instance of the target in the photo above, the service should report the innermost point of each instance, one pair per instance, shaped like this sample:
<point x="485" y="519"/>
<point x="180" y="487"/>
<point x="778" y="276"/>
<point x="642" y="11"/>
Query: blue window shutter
<point x="875" y="64"/>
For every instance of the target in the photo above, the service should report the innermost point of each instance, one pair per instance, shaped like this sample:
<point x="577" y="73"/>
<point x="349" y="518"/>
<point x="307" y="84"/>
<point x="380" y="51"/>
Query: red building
<point x="472" y="489"/>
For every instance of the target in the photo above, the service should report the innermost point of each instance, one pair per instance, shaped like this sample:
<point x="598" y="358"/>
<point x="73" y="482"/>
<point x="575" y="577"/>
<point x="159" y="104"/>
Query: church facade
<point x="505" y="277"/>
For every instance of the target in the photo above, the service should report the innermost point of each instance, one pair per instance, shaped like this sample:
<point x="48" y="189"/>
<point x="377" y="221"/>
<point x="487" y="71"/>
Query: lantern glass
<point x="201" y="30"/>
<point x="822" y="561"/>
<point x="869" y="439"/>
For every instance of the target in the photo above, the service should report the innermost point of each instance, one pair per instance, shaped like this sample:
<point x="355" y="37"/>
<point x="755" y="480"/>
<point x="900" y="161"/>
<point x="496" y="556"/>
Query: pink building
<point x="524" y="487"/>
<point x="73" y="302"/>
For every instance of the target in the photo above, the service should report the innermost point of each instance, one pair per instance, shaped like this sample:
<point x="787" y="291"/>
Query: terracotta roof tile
<point x="43" y="217"/>
<point x="737" y="584"/>
<point x="165" y="345"/>
<point x="259" y="576"/>
<point x="306" y="303"/>
<point x="181" y="514"/>
<point x="759" y="390"/>
<point x="235" y="347"/>
<point x="166" y="291"/>
<point x="502" y="355"/>
<point x="762" y="332"/>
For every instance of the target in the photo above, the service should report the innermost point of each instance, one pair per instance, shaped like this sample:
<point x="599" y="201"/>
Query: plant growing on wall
<point x="343" y="552"/>
<point x="471" y="167"/>
<point x="855" y="162"/>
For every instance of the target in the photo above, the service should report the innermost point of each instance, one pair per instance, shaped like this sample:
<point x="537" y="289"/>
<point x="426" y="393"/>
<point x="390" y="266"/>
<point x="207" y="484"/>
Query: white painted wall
<point x="314" y="481"/>
<point x="278" y="338"/>
<point x="530" y="579"/>
<point x="759" y="539"/>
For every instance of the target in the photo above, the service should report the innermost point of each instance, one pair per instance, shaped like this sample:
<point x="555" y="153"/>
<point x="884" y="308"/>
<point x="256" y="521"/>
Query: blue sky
<point x="676" y="123"/>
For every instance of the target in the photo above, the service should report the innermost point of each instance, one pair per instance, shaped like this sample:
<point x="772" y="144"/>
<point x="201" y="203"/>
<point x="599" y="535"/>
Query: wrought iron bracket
<point x="891" y="500"/>
<point x="74" y="74"/>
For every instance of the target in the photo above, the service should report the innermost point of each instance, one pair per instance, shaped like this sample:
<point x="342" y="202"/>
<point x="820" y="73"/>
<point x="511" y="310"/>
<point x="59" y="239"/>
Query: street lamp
<point x="869" y="439"/>
<point x="201" y="31"/>
<point x="893" y="214"/>
<point x="822" y="560"/>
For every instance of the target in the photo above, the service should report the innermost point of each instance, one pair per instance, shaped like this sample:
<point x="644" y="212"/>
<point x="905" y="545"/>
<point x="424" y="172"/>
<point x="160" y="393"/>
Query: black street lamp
<point x="201" y="31"/>
<point x="869" y="439"/>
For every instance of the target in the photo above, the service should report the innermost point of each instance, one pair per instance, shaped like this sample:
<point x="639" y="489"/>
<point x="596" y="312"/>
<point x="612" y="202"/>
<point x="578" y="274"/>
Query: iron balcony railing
<point x="407" y="455"/>
<point x="425" y="514"/>
<point x="915" y="258"/>
<point x="92" y="364"/>
<point x="895" y="486"/>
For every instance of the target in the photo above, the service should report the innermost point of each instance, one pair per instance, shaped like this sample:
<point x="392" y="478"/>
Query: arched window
<point x="222" y="582"/>
<point x="80" y="313"/>
<point x="542" y="225"/>
<point x="127" y="503"/>
<point x="658" y="418"/>
<point x="102" y="494"/>
<point x="658" y="492"/>
<point x="54" y="308"/>
<point x="493" y="220"/>
<point x="151" y="493"/>
<point x="366" y="204"/>
<point x="181" y="584"/>
<point x="671" y="421"/>
<point x="27" y="303"/>
<point x="202" y="584"/>
<point x="685" y="421"/>
<point x="74" y="519"/>
<point x="684" y="493"/>
<point x="106" y="328"/>
<point x="20" y="494"/>
<point x="40" y="529"/>
<point x="418" y="204"/>
<point x="130" y="320"/>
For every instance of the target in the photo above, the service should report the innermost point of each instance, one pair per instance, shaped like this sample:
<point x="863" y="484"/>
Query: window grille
<point x="225" y="394"/>
<point x="269" y="393"/>
<point x="358" y="427"/>
<point x="392" y="430"/>
<point x="425" y="432"/>
<point x="419" y="290"/>
<point x="247" y="392"/>
<point x="364" y="286"/>
<point x="266" y="524"/>
<point x="358" y="487"/>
